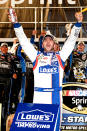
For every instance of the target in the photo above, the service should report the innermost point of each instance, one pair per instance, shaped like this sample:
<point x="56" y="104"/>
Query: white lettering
<point x="85" y="119"/>
<point x="63" y="127"/>
<point x="59" y="1"/>
<point x="74" y="127"/>
<point x="70" y="119"/>
<point x="22" y="124"/>
<point x="32" y="125"/>
<point x="3" y="1"/>
<point x="22" y="117"/>
<point x="50" y="1"/>
<point x="49" y="70"/>
<point x="35" y="117"/>
<point x="28" y="117"/>
<point x="30" y="1"/>
<point x="41" y="117"/>
<point x="79" y="101"/>
<point x="13" y="2"/>
<point x="77" y="119"/>
<point x="71" y="2"/>
<point x="68" y="127"/>
<point x="18" y="2"/>
<point x="46" y="117"/>
<point x="81" y="119"/>
<point x="41" y="1"/>
<point x="18" y="124"/>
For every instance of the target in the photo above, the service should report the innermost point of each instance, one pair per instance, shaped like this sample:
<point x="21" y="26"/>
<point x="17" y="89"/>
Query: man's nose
<point x="48" y="40"/>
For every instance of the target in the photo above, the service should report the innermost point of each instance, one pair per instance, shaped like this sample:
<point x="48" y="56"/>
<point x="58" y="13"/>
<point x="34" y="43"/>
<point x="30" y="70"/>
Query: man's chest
<point x="48" y="64"/>
<point x="51" y="60"/>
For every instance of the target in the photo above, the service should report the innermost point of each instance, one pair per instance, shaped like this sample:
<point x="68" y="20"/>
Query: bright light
<point x="80" y="107"/>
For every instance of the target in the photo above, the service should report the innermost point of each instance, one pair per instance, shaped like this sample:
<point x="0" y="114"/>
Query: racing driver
<point x="48" y="66"/>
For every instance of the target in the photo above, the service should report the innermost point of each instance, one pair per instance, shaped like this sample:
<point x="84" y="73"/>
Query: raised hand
<point x="34" y="32"/>
<point x="12" y="15"/>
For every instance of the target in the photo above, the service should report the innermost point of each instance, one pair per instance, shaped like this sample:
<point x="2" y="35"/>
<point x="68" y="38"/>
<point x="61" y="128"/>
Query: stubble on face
<point x="48" y="45"/>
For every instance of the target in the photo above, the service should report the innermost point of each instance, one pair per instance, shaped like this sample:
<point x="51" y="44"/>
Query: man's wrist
<point x="16" y="25"/>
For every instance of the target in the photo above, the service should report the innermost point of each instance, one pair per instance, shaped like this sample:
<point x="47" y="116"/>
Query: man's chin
<point x="49" y="50"/>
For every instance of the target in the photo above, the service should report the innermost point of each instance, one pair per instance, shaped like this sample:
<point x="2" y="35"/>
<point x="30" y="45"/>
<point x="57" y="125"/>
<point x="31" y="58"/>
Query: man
<point x="40" y="37"/>
<point x="8" y="74"/>
<point x="56" y="45"/>
<point x="80" y="47"/>
<point x="78" y="72"/>
<point x="9" y="122"/>
<point x="23" y="72"/>
<point x="48" y="66"/>
<point x="14" y="46"/>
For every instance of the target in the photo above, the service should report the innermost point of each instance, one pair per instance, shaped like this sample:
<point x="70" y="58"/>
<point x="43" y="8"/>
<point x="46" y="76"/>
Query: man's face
<point x="4" y="49"/>
<point x="48" y="44"/>
<point x="81" y="47"/>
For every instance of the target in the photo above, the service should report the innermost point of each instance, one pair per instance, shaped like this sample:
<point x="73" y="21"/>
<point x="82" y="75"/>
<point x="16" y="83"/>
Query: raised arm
<point x="70" y="42"/>
<point x="28" y="48"/>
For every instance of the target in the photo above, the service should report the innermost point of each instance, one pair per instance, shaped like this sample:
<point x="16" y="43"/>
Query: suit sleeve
<point x="70" y="42"/>
<point x="28" y="48"/>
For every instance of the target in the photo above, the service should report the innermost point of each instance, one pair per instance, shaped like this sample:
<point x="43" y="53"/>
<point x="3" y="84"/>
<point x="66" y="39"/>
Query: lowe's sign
<point x="29" y="117"/>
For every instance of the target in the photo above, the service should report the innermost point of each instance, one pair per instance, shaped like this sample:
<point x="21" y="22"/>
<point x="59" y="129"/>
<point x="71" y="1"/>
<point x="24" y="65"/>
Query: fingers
<point x="43" y="33"/>
<point x="9" y="17"/>
<point x="12" y="15"/>
<point x="34" y="32"/>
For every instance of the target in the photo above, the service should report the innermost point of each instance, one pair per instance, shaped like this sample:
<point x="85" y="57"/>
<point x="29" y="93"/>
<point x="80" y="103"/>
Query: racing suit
<point x="48" y="67"/>
<point x="7" y="69"/>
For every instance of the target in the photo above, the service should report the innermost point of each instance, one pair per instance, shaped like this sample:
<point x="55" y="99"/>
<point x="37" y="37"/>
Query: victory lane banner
<point x="35" y="117"/>
<point x="74" y="106"/>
